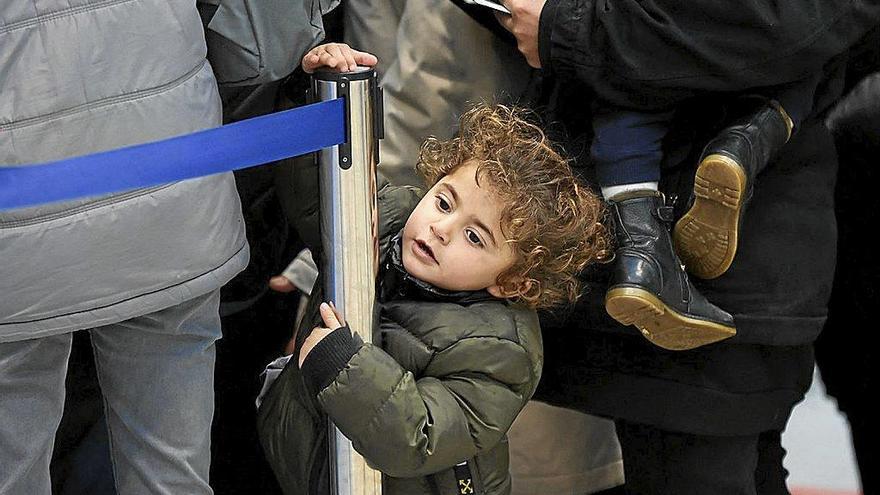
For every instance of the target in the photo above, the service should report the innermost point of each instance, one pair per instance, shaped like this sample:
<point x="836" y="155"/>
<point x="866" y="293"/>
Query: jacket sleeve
<point x="408" y="427"/>
<point x="654" y="53"/>
<point x="256" y="42"/>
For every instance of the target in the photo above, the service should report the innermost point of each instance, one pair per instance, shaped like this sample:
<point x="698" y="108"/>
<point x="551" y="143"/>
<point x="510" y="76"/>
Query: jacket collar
<point x="397" y="283"/>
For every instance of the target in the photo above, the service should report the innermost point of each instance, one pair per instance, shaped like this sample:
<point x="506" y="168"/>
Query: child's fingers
<point x="337" y="51"/>
<point x="338" y="314"/>
<point x="364" y="58"/>
<point x="345" y="55"/>
<point x="327" y="59"/>
<point x="311" y="62"/>
<point x="338" y="56"/>
<point x="348" y="53"/>
<point x="329" y="317"/>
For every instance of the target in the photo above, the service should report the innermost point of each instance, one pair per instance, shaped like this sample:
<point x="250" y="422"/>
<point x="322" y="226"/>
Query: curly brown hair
<point x="555" y="224"/>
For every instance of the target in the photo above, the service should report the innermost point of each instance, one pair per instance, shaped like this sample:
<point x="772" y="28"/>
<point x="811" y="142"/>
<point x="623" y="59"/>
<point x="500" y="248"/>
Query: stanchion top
<point x="359" y="74"/>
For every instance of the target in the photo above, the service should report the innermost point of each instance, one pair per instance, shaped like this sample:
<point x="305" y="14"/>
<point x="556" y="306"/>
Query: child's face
<point x="453" y="238"/>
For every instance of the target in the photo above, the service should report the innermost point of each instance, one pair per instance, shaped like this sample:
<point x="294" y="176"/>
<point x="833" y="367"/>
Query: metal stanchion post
<point x="349" y="232"/>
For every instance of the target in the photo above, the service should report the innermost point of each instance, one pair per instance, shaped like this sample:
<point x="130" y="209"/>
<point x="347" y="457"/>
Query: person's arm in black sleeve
<point x="654" y="53"/>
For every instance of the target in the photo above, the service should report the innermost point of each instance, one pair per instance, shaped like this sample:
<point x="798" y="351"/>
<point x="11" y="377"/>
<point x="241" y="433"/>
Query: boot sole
<point x="706" y="236"/>
<point x="660" y="324"/>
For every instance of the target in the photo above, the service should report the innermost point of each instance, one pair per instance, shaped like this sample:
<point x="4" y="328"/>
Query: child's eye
<point x="474" y="238"/>
<point x="443" y="204"/>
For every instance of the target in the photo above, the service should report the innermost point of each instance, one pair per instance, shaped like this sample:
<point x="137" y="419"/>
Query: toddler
<point x="504" y="229"/>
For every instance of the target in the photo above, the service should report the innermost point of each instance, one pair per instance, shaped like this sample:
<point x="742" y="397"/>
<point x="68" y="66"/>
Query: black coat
<point x="652" y="54"/>
<point x="649" y="54"/>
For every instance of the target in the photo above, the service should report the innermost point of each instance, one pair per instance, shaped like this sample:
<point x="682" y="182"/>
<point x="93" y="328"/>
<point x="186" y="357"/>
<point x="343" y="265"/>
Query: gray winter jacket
<point x="80" y="76"/>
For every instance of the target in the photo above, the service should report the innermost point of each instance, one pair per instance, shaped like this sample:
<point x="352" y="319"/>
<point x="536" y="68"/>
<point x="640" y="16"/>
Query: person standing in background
<point x="433" y="59"/>
<point x="679" y="415"/>
<point x="845" y="357"/>
<point x="140" y="270"/>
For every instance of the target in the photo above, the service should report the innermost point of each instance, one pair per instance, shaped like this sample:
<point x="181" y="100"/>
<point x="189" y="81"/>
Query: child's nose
<point x="441" y="232"/>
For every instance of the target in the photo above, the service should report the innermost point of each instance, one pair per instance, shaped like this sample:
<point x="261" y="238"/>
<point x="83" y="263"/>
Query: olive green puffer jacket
<point x="445" y="379"/>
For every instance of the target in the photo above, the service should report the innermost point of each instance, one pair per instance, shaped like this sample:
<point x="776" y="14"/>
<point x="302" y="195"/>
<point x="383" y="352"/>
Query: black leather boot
<point x="706" y="236"/>
<point x="649" y="287"/>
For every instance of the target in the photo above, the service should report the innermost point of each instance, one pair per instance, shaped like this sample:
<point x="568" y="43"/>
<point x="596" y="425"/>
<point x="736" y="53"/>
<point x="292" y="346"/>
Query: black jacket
<point x="695" y="56"/>
<point x="653" y="54"/>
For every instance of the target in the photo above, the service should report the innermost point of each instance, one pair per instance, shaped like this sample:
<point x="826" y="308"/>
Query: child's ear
<point x="504" y="293"/>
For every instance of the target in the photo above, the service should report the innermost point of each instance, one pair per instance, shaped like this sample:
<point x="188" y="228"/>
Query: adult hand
<point x="332" y="321"/>
<point x="523" y="21"/>
<point x="280" y="283"/>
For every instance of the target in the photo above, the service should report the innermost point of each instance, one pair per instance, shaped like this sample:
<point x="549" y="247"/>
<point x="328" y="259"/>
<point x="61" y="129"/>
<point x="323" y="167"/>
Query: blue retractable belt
<point x="231" y="147"/>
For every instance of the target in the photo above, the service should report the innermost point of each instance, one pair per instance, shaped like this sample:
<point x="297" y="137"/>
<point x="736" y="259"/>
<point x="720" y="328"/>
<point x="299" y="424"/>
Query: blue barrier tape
<point x="231" y="147"/>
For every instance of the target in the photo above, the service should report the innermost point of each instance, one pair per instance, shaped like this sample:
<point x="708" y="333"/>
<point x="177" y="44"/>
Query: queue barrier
<point x="222" y="149"/>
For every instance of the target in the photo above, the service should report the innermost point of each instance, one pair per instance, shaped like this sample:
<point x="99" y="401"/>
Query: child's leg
<point x="649" y="288"/>
<point x="627" y="149"/>
<point x="706" y="236"/>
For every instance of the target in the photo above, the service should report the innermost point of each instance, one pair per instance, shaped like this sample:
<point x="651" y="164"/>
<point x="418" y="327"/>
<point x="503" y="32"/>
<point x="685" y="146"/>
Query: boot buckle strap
<point x="665" y="213"/>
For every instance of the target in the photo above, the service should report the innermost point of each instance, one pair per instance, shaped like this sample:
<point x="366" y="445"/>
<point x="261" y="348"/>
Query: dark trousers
<point x="845" y="351"/>
<point x="660" y="462"/>
<point x="251" y="339"/>
<point x="627" y="145"/>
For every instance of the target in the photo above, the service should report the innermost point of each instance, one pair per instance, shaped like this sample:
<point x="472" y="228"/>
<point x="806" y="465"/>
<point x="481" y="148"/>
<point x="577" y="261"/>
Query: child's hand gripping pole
<point x="332" y="321"/>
